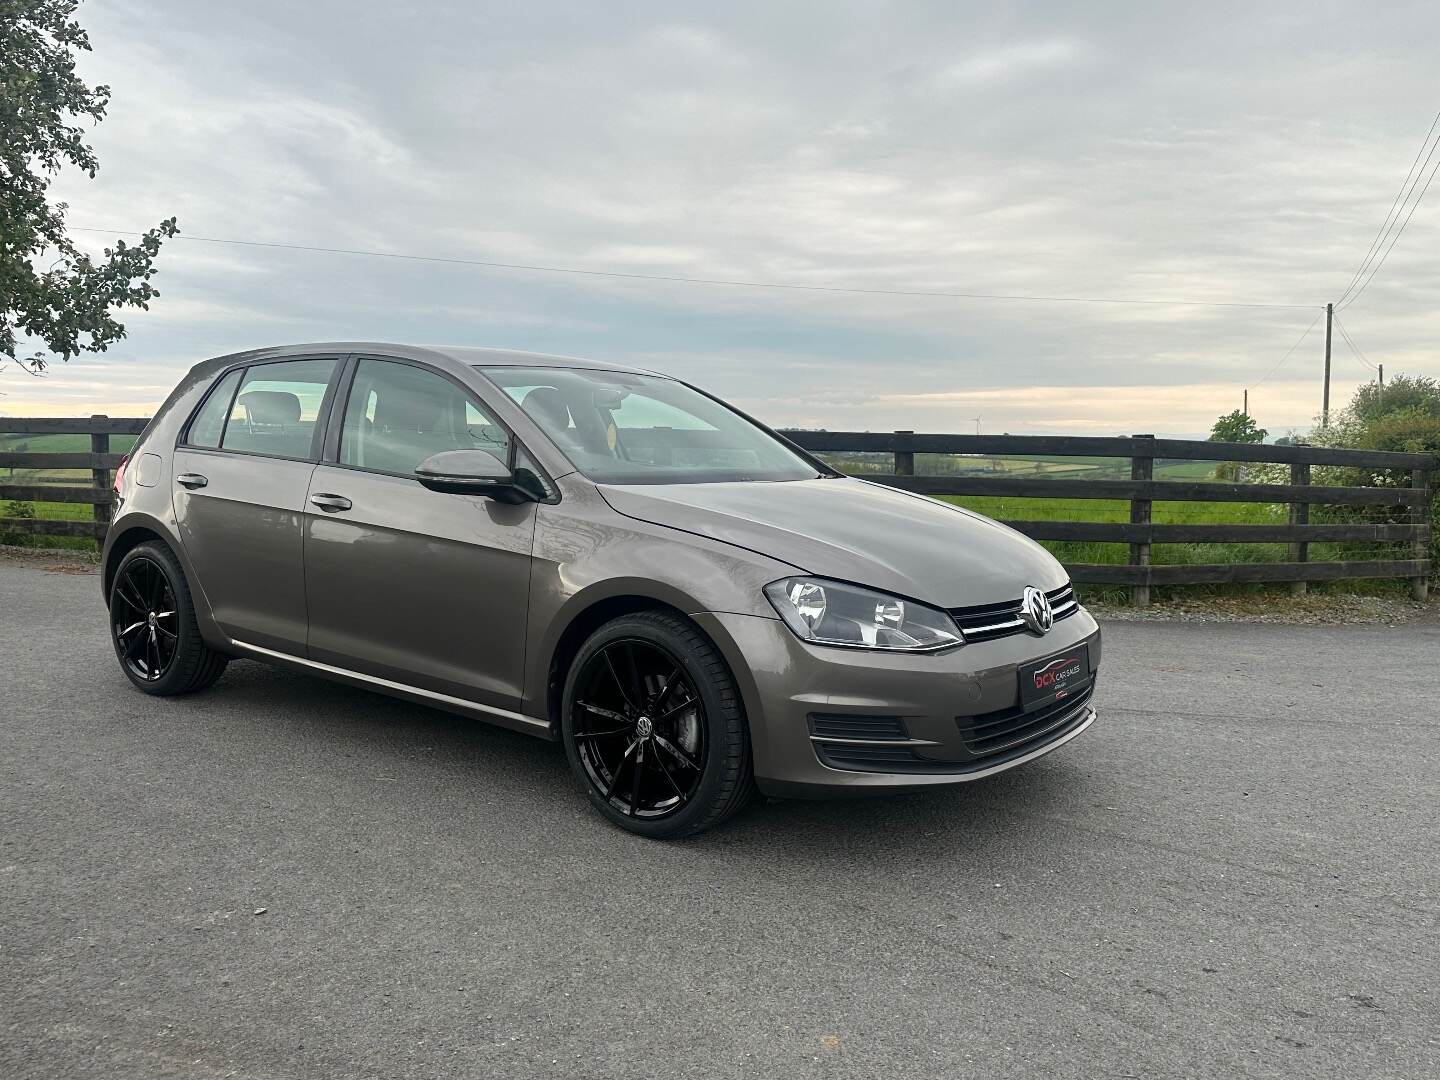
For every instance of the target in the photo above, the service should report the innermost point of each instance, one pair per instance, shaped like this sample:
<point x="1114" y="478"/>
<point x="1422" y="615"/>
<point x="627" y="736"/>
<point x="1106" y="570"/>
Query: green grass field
<point x="53" y="511"/>
<point x="60" y="444"/>
<point x="1019" y="465"/>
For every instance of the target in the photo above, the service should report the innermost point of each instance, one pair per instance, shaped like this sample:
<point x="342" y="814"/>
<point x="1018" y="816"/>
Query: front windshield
<point x="619" y="428"/>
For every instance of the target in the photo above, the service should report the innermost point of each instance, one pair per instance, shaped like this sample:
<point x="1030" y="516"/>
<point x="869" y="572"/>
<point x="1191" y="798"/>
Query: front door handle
<point x="332" y="503"/>
<point x="191" y="480"/>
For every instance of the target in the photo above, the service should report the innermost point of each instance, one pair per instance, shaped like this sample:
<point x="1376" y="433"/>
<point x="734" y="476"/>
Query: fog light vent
<point x="850" y="726"/>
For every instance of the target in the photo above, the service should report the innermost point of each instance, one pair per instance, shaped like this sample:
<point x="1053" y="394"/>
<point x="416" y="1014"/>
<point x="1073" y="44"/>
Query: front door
<point x="408" y="584"/>
<point x="241" y="476"/>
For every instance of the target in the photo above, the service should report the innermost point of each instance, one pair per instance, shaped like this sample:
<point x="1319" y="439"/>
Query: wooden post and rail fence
<point x="1406" y="500"/>
<point x="1408" y="497"/>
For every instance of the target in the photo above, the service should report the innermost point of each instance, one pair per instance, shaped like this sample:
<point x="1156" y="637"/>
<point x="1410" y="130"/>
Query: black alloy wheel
<point x="640" y="728"/>
<point x="153" y="627"/>
<point x="143" y="620"/>
<point x="653" y="727"/>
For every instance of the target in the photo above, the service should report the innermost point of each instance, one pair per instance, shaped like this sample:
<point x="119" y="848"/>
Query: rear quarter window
<point x="209" y="421"/>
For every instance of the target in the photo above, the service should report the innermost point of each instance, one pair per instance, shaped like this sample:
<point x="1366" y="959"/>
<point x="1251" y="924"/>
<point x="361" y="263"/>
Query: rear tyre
<point x="153" y="627"/>
<point x="653" y="727"/>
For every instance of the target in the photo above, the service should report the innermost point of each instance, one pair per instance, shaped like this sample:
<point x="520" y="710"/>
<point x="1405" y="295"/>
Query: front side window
<point x="397" y="415"/>
<point x="619" y="428"/>
<point x="276" y="408"/>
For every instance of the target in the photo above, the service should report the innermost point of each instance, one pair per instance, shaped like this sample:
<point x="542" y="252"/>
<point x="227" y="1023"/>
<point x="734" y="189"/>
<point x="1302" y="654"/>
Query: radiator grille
<point x="990" y="621"/>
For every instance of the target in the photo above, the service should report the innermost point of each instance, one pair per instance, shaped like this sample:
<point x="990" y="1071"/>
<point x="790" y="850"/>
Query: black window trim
<point x="335" y="421"/>
<point x="322" y="414"/>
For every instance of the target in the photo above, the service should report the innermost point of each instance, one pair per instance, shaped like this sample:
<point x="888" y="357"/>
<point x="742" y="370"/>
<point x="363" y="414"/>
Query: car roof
<point x="463" y="354"/>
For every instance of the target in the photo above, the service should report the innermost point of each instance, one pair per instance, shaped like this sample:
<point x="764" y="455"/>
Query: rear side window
<point x="276" y="408"/>
<point x="209" y="422"/>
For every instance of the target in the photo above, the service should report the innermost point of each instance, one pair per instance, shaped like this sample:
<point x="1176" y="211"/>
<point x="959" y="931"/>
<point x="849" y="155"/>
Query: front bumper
<point x="828" y="721"/>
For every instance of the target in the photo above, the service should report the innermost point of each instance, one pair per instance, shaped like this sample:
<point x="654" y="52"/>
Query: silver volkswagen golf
<point x="603" y="556"/>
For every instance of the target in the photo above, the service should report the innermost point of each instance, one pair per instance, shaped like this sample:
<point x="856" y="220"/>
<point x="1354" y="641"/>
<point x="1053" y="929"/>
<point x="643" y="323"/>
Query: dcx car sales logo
<point x="1054" y="675"/>
<point x="1035" y="611"/>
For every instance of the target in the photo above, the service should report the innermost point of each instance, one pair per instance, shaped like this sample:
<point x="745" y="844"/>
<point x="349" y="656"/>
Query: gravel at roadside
<point x="54" y="560"/>
<point x="1312" y="609"/>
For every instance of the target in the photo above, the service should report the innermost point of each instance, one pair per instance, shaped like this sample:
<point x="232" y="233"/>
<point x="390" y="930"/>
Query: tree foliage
<point x="1402" y="394"/>
<point x="1406" y="419"/>
<point x="1237" y="427"/>
<point x="55" y="298"/>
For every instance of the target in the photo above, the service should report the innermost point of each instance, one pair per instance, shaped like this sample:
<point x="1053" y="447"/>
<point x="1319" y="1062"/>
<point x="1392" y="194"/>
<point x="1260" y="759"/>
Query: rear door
<point x="404" y="583"/>
<point x="242" y="473"/>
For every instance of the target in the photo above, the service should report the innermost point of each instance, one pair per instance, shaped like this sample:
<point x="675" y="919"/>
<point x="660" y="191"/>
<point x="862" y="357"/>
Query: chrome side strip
<point x="873" y="742"/>
<point x="513" y="719"/>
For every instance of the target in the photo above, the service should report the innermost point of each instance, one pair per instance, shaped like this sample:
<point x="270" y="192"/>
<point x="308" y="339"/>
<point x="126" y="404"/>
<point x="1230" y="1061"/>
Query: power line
<point x="1355" y="349"/>
<point x="1384" y="225"/>
<point x="1413" y="207"/>
<point x="694" y="280"/>
<point x="1288" y="353"/>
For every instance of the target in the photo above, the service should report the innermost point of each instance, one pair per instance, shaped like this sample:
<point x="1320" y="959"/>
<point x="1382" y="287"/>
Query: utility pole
<point x="1382" y="386"/>
<point x="1325" y="405"/>
<point x="1246" y="410"/>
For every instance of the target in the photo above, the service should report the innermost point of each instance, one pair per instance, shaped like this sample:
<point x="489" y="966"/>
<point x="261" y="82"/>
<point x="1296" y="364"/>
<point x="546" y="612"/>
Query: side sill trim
<point x="513" y="719"/>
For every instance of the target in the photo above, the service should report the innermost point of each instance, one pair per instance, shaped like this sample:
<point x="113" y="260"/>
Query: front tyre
<point x="153" y="627"/>
<point x="653" y="727"/>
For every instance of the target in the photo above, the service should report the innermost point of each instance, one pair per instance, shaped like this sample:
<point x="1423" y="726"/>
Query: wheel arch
<point x="121" y="543"/>
<point x="595" y="612"/>
<point x="136" y="529"/>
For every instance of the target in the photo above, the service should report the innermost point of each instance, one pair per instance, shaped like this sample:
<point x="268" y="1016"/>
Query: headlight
<point x="833" y="613"/>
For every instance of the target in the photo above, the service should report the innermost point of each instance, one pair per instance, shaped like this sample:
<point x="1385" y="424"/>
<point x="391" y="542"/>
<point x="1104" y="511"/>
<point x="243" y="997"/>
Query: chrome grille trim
<point x="990" y="621"/>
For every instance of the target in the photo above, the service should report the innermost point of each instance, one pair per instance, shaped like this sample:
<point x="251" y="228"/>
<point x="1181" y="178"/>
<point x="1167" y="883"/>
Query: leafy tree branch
<point x="55" y="298"/>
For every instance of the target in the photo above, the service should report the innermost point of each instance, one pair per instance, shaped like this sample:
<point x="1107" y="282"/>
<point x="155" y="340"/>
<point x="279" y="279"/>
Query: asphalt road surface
<point x="1234" y="873"/>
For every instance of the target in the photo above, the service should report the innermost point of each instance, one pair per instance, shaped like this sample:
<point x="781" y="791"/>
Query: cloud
<point x="1219" y="154"/>
<point x="1008" y="62"/>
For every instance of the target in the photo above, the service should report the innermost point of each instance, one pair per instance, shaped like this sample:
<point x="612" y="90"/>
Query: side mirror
<point x="468" y="472"/>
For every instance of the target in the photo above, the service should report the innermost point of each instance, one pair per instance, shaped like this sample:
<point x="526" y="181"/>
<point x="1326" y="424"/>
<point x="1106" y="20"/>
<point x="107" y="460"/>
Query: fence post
<point x="100" y="478"/>
<point x="905" y="459"/>
<point x="1421" y="514"/>
<point x="1142" y="467"/>
<point x="1299" y="515"/>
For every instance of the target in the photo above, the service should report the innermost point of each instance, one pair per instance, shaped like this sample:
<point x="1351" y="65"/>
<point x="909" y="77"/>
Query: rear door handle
<point x="332" y="503"/>
<point x="191" y="480"/>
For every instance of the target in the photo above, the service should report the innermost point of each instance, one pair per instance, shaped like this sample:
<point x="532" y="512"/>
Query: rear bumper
<point x="827" y="721"/>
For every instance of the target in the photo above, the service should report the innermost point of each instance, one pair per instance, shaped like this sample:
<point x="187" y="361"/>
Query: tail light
<point x="120" y="473"/>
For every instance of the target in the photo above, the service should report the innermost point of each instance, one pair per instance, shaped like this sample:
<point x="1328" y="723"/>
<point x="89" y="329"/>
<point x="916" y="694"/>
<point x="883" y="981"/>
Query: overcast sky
<point x="1222" y="152"/>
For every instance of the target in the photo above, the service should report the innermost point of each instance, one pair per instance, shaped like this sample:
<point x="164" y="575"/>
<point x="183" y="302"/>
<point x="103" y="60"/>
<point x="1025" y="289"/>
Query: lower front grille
<point x="1008" y="729"/>
<point x="1005" y="737"/>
